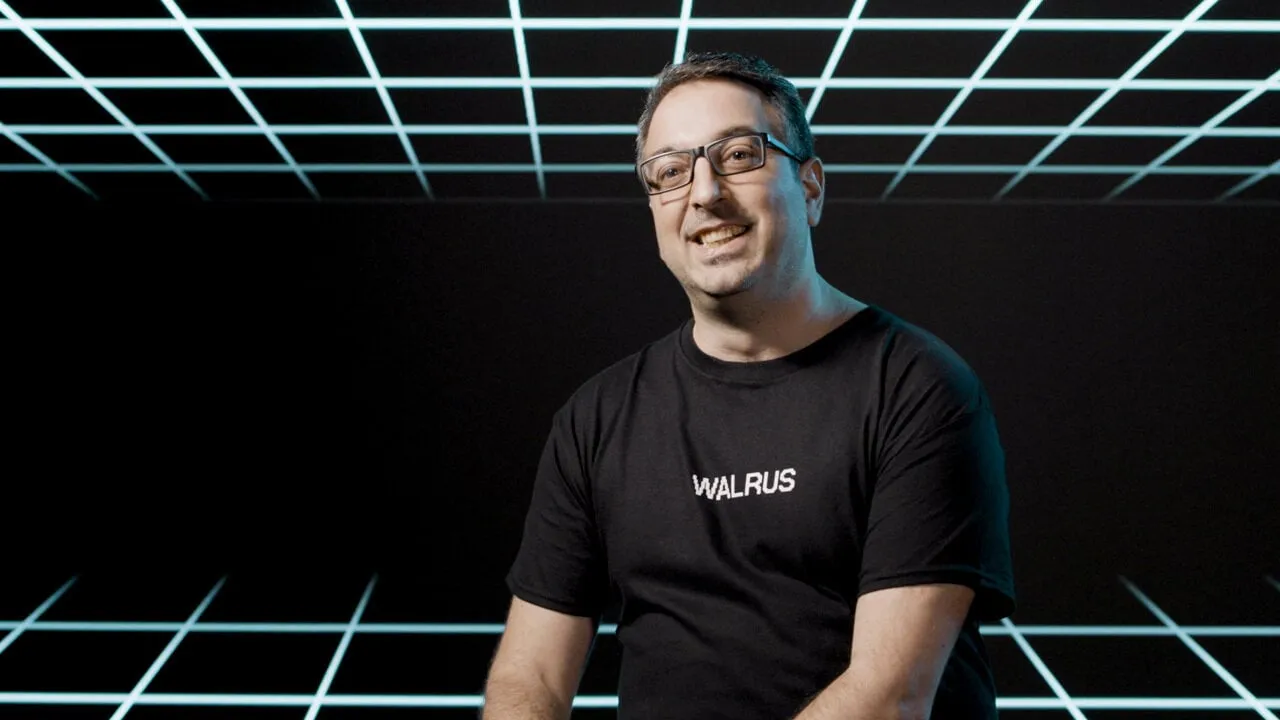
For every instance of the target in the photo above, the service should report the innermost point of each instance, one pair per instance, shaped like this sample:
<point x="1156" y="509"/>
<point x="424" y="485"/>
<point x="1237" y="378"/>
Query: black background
<point x="369" y="385"/>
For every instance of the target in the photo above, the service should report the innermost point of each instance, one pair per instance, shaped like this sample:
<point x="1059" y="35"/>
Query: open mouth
<point x="720" y="236"/>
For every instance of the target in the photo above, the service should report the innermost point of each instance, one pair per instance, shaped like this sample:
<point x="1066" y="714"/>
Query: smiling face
<point x="770" y="209"/>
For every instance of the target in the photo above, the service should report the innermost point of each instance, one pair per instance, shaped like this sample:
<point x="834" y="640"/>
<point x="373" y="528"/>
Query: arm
<point x="538" y="663"/>
<point x="902" y="638"/>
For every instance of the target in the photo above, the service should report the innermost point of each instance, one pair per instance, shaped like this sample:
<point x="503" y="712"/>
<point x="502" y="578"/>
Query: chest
<point x="772" y="481"/>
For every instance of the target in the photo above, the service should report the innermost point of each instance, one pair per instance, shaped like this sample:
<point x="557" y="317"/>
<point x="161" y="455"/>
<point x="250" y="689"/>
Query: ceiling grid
<point x="999" y="101"/>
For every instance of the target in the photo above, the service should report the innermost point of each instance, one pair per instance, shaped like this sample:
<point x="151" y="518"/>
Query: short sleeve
<point x="560" y="563"/>
<point x="939" y="506"/>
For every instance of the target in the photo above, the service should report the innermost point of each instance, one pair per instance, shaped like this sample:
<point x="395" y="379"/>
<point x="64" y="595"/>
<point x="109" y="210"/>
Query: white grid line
<point x="1249" y="181"/>
<point x="1027" y="11"/>
<point x="631" y="200"/>
<point x="31" y="619"/>
<point x="97" y="95"/>
<point x="651" y="23"/>
<point x="818" y="130"/>
<point x="165" y="654"/>
<point x="338" y="654"/>
<point x="1093" y="108"/>
<point x="305" y="628"/>
<point x="1200" y="652"/>
<point x="1044" y="671"/>
<point x="613" y="83"/>
<point x="387" y="104"/>
<point x="1223" y="116"/>
<point x="1192" y="23"/>
<point x="580" y="701"/>
<point x="1061" y="701"/>
<point x="833" y="61"/>
<point x="682" y="35"/>
<point x="443" y="168"/>
<point x="243" y="99"/>
<point x="47" y="161"/>
<point x="522" y="60"/>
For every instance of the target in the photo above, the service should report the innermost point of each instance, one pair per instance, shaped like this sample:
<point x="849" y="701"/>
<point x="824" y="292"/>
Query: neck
<point x="754" y="329"/>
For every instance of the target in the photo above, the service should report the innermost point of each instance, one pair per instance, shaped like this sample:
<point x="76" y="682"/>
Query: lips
<point x="718" y="235"/>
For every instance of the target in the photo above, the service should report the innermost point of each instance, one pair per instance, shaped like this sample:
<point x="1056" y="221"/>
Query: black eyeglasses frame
<point x="768" y="139"/>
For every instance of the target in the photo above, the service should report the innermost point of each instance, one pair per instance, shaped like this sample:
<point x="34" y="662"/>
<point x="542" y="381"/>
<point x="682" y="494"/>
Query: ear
<point x="814" y="182"/>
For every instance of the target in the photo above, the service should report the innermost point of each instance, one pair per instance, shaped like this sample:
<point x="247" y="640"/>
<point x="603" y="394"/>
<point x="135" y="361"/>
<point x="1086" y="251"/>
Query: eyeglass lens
<point x="727" y="156"/>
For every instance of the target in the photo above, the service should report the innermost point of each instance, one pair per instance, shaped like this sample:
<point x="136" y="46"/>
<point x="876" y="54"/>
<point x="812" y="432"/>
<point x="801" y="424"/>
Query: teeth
<point x="722" y="235"/>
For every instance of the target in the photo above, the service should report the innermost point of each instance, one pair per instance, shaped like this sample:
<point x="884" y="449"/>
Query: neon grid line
<point x="96" y="94"/>
<point x="522" y="60"/>
<point x="372" y="68"/>
<point x="580" y="701"/>
<point x="608" y="83"/>
<point x="818" y="130"/>
<point x="1061" y="700"/>
<point x="1098" y="103"/>
<point x="1172" y="29"/>
<point x="833" y="61"/>
<point x="652" y="23"/>
<point x="1225" y="114"/>
<point x="338" y="654"/>
<point x="276" y="628"/>
<point x="165" y="654"/>
<point x="1201" y="653"/>
<point x="1059" y="691"/>
<point x="682" y="34"/>
<point x="47" y="161"/>
<point x="19" y="628"/>
<point x="243" y="99"/>
<point x="1249" y="182"/>
<point x="961" y="96"/>
<point x="592" y="168"/>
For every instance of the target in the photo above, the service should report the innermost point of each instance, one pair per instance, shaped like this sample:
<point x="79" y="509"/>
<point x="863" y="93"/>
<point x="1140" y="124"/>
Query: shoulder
<point x="915" y="365"/>
<point x="601" y="395"/>
<point x="906" y="341"/>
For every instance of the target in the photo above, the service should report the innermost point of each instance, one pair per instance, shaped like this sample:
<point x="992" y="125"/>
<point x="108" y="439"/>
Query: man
<point x="798" y="497"/>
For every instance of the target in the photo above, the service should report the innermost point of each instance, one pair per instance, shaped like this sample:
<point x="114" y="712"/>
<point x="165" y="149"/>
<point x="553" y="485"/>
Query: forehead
<point x="703" y="110"/>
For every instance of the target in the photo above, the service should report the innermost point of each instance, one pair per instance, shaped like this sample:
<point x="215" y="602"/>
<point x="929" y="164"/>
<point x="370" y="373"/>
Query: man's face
<point x="774" y="203"/>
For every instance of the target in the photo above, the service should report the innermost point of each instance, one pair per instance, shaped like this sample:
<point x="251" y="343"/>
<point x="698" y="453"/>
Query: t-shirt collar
<point x="767" y="371"/>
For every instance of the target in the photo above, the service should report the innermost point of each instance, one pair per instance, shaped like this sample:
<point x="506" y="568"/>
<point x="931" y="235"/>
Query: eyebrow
<point x="735" y="130"/>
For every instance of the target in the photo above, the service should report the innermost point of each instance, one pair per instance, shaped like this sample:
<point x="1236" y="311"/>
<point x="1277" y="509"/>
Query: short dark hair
<point x="779" y="93"/>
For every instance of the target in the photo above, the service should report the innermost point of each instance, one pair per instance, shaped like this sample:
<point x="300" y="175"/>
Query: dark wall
<point x="371" y="384"/>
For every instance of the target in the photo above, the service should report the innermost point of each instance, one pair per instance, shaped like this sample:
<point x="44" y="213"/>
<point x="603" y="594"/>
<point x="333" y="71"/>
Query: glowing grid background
<point x="362" y="658"/>
<point x="1012" y="101"/>
<point x="439" y="101"/>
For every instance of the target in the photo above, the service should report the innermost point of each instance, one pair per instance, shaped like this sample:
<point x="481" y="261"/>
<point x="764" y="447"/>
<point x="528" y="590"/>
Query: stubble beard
<point x="724" y="282"/>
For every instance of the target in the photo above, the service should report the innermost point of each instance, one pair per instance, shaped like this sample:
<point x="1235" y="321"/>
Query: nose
<point x="706" y="189"/>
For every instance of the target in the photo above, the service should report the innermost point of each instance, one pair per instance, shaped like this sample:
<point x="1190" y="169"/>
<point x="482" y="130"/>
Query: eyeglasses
<point x="727" y="156"/>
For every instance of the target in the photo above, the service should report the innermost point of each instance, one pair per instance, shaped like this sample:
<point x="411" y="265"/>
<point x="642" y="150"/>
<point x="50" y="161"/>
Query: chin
<point x="719" y="294"/>
<point x="723" y="290"/>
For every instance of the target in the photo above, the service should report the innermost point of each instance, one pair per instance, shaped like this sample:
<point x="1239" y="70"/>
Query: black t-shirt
<point x="738" y="510"/>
